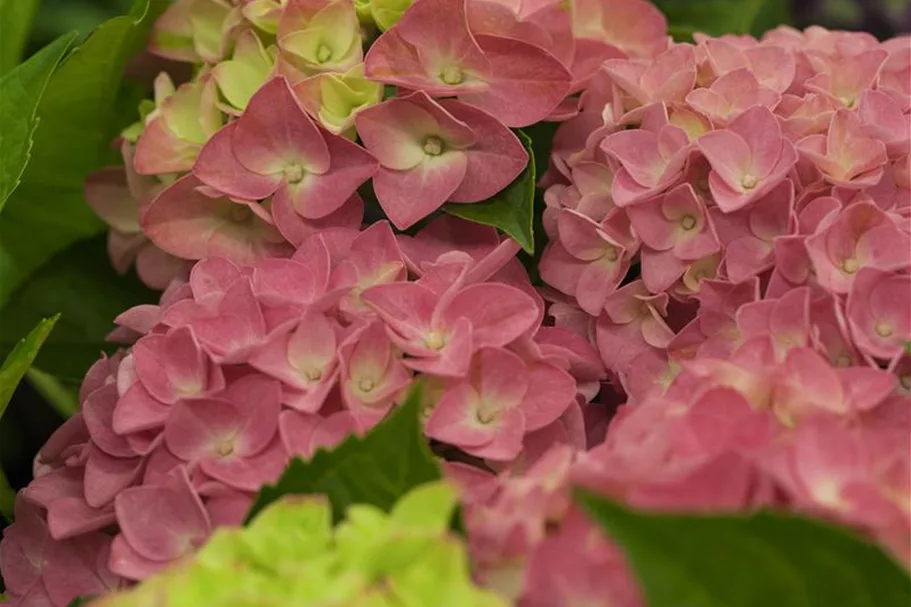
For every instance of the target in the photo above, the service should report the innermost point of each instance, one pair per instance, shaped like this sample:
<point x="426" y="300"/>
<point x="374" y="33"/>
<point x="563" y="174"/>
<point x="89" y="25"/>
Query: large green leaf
<point x="80" y="284"/>
<point x="20" y="91"/>
<point x="714" y="17"/>
<point x="511" y="210"/>
<point x="377" y="469"/>
<point x="751" y="560"/>
<point x="20" y="359"/>
<point x="15" y="22"/>
<point x="47" y="212"/>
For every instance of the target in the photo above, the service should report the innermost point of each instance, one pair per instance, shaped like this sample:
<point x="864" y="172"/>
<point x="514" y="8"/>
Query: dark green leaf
<point x="714" y="17"/>
<point x="47" y="212"/>
<point x="15" y="22"/>
<point x="78" y="602"/>
<point x="20" y="91"/>
<point x="751" y="560"/>
<point x="20" y="359"/>
<point x="377" y="469"/>
<point x="81" y="284"/>
<point x="512" y="210"/>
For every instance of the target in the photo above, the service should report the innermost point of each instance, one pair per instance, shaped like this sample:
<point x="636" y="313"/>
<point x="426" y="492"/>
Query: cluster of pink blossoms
<point x="724" y="325"/>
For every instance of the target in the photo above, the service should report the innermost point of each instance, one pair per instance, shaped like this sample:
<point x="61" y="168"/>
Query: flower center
<point x="906" y="381"/>
<point x="433" y="146"/>
<point x="313" y="374"/>
<point x="224" y="447"/>
<point x="688" y="222"/>
<point x="850" y="265"/>
<point x="610" y="253"/>
<point x="435" y="341"/>
<point x="366" y="385"/>
<point x="748" y="182"/>
<point x="486" y="415"/>
<point x="294" y="173"/>
<point x="884" y="329"/>
<point x="843" y="361"/>
<point x="240" y="213"/>
<point x="452" y="74"/>
<point x="323" y="53"/>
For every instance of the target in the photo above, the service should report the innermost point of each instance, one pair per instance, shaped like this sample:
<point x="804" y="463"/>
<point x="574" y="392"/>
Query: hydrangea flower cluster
<point x="724" y="323"/>
<point x="372" y="559"/>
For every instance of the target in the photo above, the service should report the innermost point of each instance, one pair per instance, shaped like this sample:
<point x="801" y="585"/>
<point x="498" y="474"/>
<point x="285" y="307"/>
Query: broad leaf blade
<point x="377" y="469"/>
<point x="511" y="210"/>
<point x="20" y="92"/>
<point x="47" y="212"/>
<point x="750" y="561"/>
<point x="20" y="359"/>
<point x="15" y="23"/>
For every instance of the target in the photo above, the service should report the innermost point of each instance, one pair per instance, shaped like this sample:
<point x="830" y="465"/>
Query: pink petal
<point x="498" y="313"/>
<point x="550" y="392"/>
<point x="218" y="167"/>
<point x="409" y="196"/>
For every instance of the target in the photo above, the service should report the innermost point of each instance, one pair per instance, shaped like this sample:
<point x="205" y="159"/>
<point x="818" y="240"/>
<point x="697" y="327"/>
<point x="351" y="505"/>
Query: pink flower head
<point x="431" y="152"/>
<point x="158" y="525"/>
<point x="39" y="570"/>
<point x="374" y="258"/>
<point x="651" y="158"/>
<point x="634" y="27"/>
<point x="731" y="95"/>
<point x="860" y="236"/>
<point x="748" y="159"/>
<point x="275" y="148"/>
<point x="630" y="324"/>
<point x="441" y="331"/>
<point x="373" y="375"/>
<point x="191" y="221"/>
<point x="845" y="155"/>
<point x="488" y="413"/>
<point x="845" y="78"/>
<point x="588" y="262"/>
<point x="433" y="50"/>
<point x="879" y="312"/>
<point x="173" y="366"/>
<point x="230" y="437"/>
<point x="665" y="78"/>
<point x="749" y="234"/>
<point x="786" y="320"/>
<point x="675" y="229"/>
<point x="773" y="66"/>
<point x="118" y="195"/>
<point x="883" y="119"/>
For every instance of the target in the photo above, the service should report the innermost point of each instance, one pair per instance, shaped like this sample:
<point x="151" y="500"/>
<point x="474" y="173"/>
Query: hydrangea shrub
<point x="334" y="202"/>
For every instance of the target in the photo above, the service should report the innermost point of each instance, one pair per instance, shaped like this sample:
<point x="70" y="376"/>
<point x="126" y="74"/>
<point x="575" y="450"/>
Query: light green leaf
<point x="80" y="284"/>
<point x="15" y="22"/>
<point x="511" y="210"/>
<point x="63" y="399"/>
<point x="47" y="212"/>
<point x="20" y="92"/>
<point x="377" y="469"/>
<point x="20" y="359"/>
<point x="752" y="560"/>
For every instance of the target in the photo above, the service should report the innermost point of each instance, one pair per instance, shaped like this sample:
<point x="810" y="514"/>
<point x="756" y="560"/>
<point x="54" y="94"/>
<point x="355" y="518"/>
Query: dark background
<point x="29" y="420"/>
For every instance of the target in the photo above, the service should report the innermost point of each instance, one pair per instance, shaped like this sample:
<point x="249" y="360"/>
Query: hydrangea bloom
<point x="723" y="322"/>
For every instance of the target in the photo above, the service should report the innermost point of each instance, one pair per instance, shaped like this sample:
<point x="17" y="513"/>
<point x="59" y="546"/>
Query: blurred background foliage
<point x="30" y="420"/>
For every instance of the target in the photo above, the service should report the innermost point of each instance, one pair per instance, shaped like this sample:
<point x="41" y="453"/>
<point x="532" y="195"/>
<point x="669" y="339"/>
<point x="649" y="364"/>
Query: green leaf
<point x="750" y="560"/>
<point x="80" y="284"/>
<point x="714" y="17"/>
<point x="63" y="399"/>
<point x="47" y="212"/>
<point x="377" y="469"/>
<point x="511" y="210"/>
<point x="20" y="91"/>
<point x="20" y="359"/>
<point x="7" y="498"/>
<point x="15" y="22"/>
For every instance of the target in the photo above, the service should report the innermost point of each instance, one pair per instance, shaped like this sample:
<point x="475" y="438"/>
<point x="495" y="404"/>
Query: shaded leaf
<point x="20" y="359"/>
<point x="80" y="284"/>
<point x="15" y="23"/>
<point x="511" y="210"/>
<point x="47" y="212"/>
<point x="377" y="469"/>
<point x="20" y="92"/>
<point x="714" y="17"/>
<point x="750" y="560"/>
